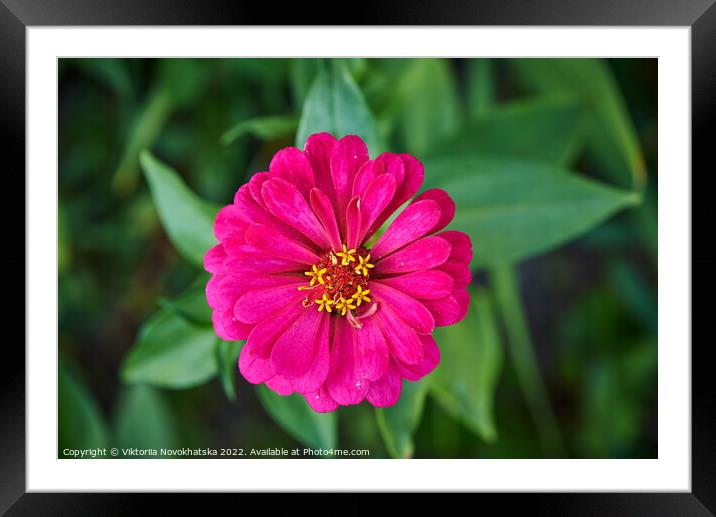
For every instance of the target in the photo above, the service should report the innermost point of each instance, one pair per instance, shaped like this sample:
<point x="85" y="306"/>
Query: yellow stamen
<point x="316" y="275"/>
<point x="360" y="295"/>
<point x="325" y="303"/>
<point x="346" y="255"/>
<point x="343" y="305"/>
<point x="364" y="265"/>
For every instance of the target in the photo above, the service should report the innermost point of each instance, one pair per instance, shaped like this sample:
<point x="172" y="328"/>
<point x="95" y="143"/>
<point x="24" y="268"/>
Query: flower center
<point x="339" y="281"/>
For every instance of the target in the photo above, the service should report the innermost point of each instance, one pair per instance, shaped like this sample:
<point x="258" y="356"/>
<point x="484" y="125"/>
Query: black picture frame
<point x="17" y="15"/>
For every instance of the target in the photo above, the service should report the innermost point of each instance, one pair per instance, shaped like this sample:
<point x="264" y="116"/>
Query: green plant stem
<point x="525" y="362"/>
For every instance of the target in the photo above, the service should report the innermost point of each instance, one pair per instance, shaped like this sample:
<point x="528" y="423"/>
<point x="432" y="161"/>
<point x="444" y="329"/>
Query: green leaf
<point x="480" y="87"/>
<point x="191" y="305"/>
<point x="426" y="103"/>
<point x="398" y="423"/>
<point x="336" y="105"/>
<point x="516" y="209"/>
<point x="612" y="139"/>
<point x="293" y="414"/>
<point x="187" y="219"/>
<point x="264" y="128"/>
<point x="80" y="421"/>
<point x="465" y="381"/>
<point x="227" y="358"/>
<point x="143" y="420"/>
<point x="545" y="129"/>
<point x="171" y="352"/>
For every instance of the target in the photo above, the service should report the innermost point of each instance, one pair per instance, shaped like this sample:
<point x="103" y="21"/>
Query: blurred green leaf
<point x="64" y="240"/>
<point x="187" y="219"/>
<point x="112" y="73"/>
<point x="191" y="305"/>
<point x="80" y="421"/>
<point x="635" y="292"/>
<point x="516" y="209"/>
<point x="171" y="352"/>
<point x="336" y="105"/>
<point x="426" y="103"/>
<point x="398" y="423"/>
<point x="227" y="360"/>
<point x="148" y="123"/>
<point x="264" y="128"/>
<point x="480" y="87"/>
<point x="614" y="401"/>
<point x="543" y="129"/>
<point x="143" y="420"/>
<point x="317" y="430"/>
<point x="465" y="381"/>
<point x="183" y="79"/>
<point x="302" y="72"/>
<point x="612" y="138"/>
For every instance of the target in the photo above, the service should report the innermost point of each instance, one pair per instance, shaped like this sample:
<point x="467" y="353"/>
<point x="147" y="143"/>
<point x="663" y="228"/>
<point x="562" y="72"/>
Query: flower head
<point x="322" y="313"/>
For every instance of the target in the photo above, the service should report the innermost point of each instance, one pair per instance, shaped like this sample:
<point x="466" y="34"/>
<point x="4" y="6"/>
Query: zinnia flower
<point x="326" y="312"/>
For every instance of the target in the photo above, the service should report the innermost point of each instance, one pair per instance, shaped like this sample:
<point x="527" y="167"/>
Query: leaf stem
<point x="525" y="362"/>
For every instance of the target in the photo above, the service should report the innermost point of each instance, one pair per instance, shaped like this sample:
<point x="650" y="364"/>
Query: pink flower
<point x="324" y="311"/>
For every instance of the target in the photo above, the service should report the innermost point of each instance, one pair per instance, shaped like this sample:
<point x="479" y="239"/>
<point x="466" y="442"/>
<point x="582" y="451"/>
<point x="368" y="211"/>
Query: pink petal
<point x="222" y="291"/>
<point x="232" y="329"/>
<point x="322" y="207"/>
<point x="427" y="285"/>
<point x="461" y="245"/>
<point x="228" y="222"/>
<point x="246" y="207"/>
<point x="367" y="173"/>
<point x="252" y="211"/>
<point x="347" y="157"/>
<point x="372" y="353"/>
<point x="342" y="383"/>
<point x="318" y="371"/>
<point x="293" y="166"/>
<point x="376" y="197"/>
<point x="256" y="306"/>
<point x="413" y="180"/>
<point x="386" y="391"/>
<point x="255" y="369"/>
<point x="246" y="260"/>
<point x="425" y="253"/>
<point x="430" y="361"/>
<point x="280" y="385"/>
<point x="408" y="178"/>
<point x="450" y="309"/>
<point x="285" y="202"/>
<point x="410" y="310"/>
<point x="320" y="401"/>
<point x="460" y="273"/>
<point x="415" y="221"/>
<point x="318" y="149"/>
<point x="274" y="242"/>
<point x="254" y="360"/>
<point x="353" y="222"/>
<point x="214" y="259"/>
<point x="296" y="349"/>
<point x="447" y="206"/>
<point x="255" y="184"/>
<point x="402" y="340"/>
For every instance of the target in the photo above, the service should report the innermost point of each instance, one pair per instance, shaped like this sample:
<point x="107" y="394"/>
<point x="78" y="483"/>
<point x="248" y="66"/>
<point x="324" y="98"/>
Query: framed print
<point x="452" y="252"/>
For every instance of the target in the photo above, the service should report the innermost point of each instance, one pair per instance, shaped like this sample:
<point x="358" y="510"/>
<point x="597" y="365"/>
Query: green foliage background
<point x="552" y="164"/>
